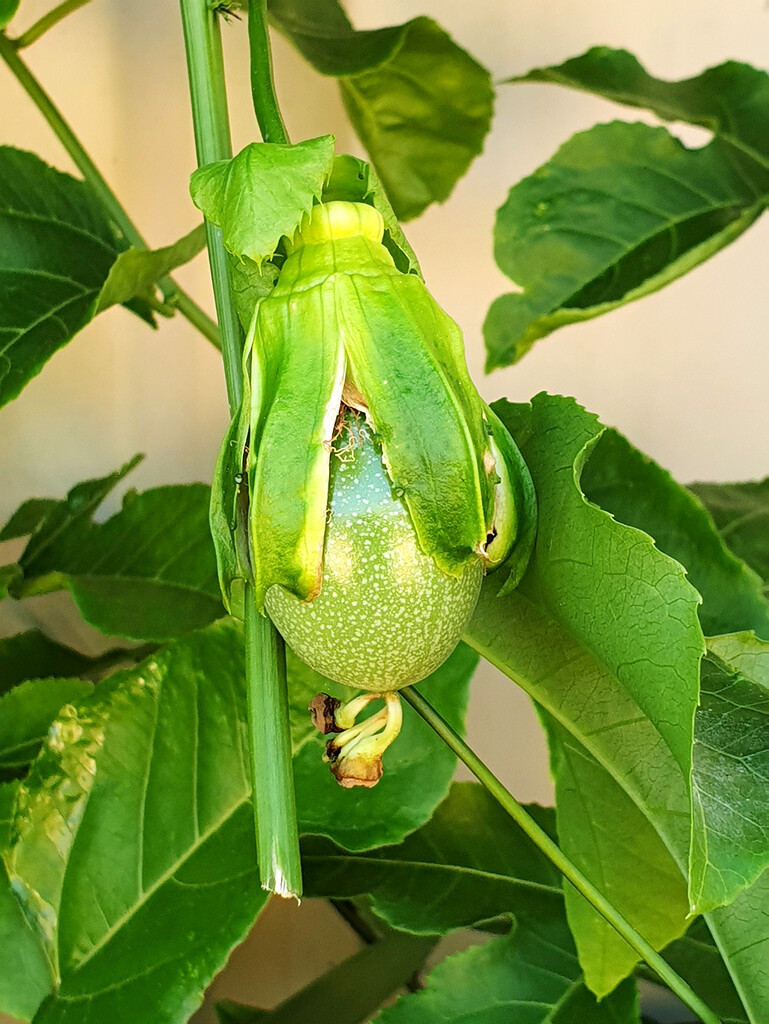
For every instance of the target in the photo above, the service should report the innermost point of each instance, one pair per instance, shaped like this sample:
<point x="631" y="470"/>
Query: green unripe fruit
<point x="386" y="616"/>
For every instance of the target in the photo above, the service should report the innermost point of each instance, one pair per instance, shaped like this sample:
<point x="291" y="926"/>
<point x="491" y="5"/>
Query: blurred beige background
<point x="682" y="373"/>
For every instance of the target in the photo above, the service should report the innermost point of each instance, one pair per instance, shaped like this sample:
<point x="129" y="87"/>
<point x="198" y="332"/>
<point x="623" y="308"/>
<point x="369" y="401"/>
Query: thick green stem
<point x="172" y="294"/>
<point x="48" y="20"/>
<point x="277" y="838"/>
<point x="554" y="853"/>
<point x="266" y="106"/>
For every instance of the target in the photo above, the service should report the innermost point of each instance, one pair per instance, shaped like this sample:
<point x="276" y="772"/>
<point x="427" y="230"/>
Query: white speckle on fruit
<point x="386" y="616"/>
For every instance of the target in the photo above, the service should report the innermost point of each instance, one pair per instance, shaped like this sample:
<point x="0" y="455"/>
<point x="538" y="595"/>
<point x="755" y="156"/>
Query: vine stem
<point x="172" y="294"/>
<point x="53" y="17"/>
<point x="554" y="853"/>
<point x="277" y="836"/>
<point x="268" y="115"/>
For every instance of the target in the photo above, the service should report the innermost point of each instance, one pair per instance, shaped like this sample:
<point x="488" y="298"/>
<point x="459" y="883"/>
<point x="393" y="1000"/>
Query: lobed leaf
<point x="149" y="572"/>
<point x="57" y="247"/>
<point x="638" y="492"/>
<point x="731" y="770"/>
<point x="610" y="838"/>
<point x="531" y="977"/>
<point x="730" y="100"/>
<point x="420" y="104"/>
<point x="620" y="211"/>
<point x="263" y="193"/>
<point x="135" y="272"/>
<point x="138" y="811"/>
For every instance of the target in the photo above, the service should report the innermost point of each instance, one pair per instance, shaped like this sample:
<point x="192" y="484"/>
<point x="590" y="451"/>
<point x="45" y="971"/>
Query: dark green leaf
<point x="262" y="194"/>
<point x="25" y="975"/>
<point x="135" y="272"/>
<point x="32" y="655"/>
<point x="135" y="843"/>
<point x="56" y="249"/>
<point x="417" y="768"/>
<point x="731" y="100"/>
<point x="731" y="770"/>
<point x="612" y="841"/>
<point x="27" y="710"/>
<point x="347" y="994"/>
<point x="420" y="104"/>
<point x="620" y="211"/>
<point x="741" y="513"/>
<point x="530" y="977"/>
<point x="697" y="960"/>
<point x="470" y="863"/>
<point x="8" y="576"/>
<point x="27" y="518"/>
<point x="147" y="573"/>
<point x="638" y="492"/>
<point x="7" y="10"/>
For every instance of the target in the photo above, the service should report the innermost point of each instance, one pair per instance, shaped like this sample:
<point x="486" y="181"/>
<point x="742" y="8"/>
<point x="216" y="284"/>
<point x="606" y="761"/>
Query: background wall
<point x="682" y="373"/>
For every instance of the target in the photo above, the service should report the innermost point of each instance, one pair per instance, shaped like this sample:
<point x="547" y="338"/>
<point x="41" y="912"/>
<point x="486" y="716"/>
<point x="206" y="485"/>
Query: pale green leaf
<point x="135" y="272"/>
<point x="421" y="104"/>
<point x="138" y="813"/>
<point x="26" y="712"/>
<point x="620" y="211"/>
<point x="25" y="974"/>
<point x="612" y="841"/>
<point x="262" y="194"/>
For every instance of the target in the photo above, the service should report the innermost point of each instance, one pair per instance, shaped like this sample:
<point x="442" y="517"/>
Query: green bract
<point x="344" y="329"/>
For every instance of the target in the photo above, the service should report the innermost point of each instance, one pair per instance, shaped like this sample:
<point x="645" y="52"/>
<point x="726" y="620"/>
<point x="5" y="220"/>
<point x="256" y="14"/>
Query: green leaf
<point x="135" y="272"/>
<point x="148" y="573"/>
<point x="697" y="960"/>
<point x="135" y="846"/>
<point x="262" y="194"/>
<point x="741" y="930"/>
<point x="32" y="655"/>
<point x="420" y="104"/>
<point x="530" y="977"/>
<point x="7" y="10"/>
<point x="347" y="994"/>
<point x="57" y="246"/>
<point x="731" y="100"/>
<point x="731" y="770"/>
<point x="417" y="768"/>
<point x="741" y="513"/>
<point x="469" y="864"/>
<point x="622" y="600"/>
<point x="249" y="283"/>
<point x="611" y="840"/>
<point x="26" y="712"/>
<point x="639" y="493"/>
<point x="27" y="518"/>
<point x="25" y="976"/>
<point x="620" y="211"/>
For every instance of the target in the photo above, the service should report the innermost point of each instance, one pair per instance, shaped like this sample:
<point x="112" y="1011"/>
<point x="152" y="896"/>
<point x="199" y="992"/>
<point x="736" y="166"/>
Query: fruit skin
<point x="386" y="616"/>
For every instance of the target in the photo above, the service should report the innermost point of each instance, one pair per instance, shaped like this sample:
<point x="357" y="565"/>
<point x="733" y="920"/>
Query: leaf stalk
<point x="173" y="295"/>
<point x="557" y="857"/>
<point x="268" y="115"/>
<point x="42" y="25"/>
